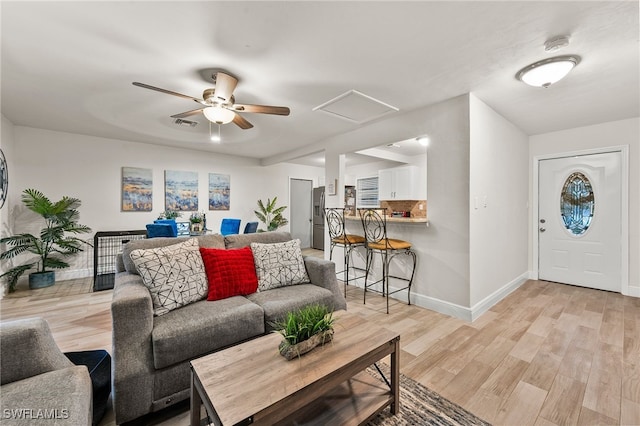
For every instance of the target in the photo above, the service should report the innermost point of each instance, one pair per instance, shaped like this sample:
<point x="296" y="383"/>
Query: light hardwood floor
<point x="547" y="354"/>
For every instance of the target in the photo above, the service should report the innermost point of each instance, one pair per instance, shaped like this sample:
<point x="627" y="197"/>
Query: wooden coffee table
<point x="252" y="383"/>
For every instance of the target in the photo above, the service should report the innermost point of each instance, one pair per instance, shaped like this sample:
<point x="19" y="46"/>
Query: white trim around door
<point x="624" y="239"/>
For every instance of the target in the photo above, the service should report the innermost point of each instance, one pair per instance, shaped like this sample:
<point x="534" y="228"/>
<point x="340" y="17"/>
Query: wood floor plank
<point x="467" y="382"/>
<point x="630" y="412"/>
<point x="495" y="351"/>
<point x="485" y="404"/>
<point x="564" y="401"/>
<point x="557" y="342"/>
<point x="505" y="377"/>
<point x="522" y="406"/>
<point x="527" y="347"/>
<point x="603" y="393"/>
<point x="590" y="417"/>
<point x="542" y="370"/>
<point x="576" y="364"/>
<point x="631" y="382"/>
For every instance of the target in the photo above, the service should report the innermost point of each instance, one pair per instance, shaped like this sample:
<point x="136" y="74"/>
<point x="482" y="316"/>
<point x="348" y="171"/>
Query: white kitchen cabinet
<point x="402" y="183"/>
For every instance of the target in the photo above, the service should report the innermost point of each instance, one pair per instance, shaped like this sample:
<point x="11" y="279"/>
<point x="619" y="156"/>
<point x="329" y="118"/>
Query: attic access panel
<point x="356" y="107"/>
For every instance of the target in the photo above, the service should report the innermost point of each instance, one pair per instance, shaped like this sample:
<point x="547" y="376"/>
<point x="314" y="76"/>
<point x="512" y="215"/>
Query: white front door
<point x="579" y="220"/>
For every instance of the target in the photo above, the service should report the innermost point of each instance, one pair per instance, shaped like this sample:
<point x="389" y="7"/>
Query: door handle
<point x="542" y="229"/>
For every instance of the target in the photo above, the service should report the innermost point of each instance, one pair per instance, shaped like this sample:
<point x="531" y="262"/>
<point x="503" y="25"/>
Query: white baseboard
<point x="73" y="274"/>
<point x="633" y="291"/>
<point x="62" y="275"/>
<point x="458" y="311"/>
<point x="442" y="306"/>
<point x="485" y="304"/>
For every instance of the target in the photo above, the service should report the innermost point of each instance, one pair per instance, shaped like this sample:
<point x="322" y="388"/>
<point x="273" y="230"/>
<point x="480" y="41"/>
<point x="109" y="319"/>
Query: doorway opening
<point x="300" y="192"/>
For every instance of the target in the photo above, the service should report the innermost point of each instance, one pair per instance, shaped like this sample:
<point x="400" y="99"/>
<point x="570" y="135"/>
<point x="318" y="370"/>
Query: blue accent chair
<point x="155" y="230"/>
<point x="171" y="222"/>
<point x="230" y="226"/>
<point x="250" y="227"/>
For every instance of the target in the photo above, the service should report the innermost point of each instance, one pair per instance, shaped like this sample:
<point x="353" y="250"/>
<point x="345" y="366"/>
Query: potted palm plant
<point x="271" y="215"/>
<point x="53" y="244"/>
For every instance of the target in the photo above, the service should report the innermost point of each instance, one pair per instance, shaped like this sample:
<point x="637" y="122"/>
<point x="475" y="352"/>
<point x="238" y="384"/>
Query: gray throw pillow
<point x="279" y="264"/>
<point x="173" y="274"/>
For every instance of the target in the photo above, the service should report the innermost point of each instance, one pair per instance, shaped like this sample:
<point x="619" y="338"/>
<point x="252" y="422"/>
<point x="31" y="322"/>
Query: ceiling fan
<point x="218" y="104"/>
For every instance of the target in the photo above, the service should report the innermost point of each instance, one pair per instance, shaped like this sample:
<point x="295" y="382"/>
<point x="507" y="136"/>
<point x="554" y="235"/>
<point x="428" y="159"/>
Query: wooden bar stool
<point x="339" y="237"/>
<point x="374" y="223"/>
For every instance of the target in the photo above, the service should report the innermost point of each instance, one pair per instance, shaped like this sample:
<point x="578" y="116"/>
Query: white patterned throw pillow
<point x="173" y="274"/>
<point x="279" y="264"/>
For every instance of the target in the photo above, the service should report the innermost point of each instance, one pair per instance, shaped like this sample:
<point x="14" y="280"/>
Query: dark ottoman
<point x="98" y="363"/>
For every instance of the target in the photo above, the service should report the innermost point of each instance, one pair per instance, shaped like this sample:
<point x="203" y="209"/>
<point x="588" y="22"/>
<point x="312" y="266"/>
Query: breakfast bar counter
<point x="395" y="219"/>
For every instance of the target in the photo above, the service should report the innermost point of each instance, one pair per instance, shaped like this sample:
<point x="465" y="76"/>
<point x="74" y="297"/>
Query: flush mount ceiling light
<point x="547" y="71"/>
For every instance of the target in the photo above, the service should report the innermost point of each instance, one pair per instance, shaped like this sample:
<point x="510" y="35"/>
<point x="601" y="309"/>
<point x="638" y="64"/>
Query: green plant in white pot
<point x="53" y="244"/>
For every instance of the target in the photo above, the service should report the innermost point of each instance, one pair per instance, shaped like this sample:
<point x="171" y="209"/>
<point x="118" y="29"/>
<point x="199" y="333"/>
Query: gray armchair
<point x="37" y="382"/>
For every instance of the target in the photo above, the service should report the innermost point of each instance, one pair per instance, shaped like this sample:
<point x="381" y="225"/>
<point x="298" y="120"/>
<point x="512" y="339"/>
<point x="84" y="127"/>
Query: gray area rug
<point x="420" y="405"/>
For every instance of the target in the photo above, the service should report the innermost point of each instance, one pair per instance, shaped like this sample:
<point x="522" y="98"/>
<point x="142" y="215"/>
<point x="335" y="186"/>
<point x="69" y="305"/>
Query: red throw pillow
<point x="230" y="272"/>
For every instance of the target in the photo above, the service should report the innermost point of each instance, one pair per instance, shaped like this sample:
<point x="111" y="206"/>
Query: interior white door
<point x="301" y="191"/>
<point x="579" y="215"/>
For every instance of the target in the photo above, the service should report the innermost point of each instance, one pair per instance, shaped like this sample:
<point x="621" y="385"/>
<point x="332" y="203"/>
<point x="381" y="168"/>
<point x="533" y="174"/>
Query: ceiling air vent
<point x="185" y="123"/>
<point x="356" y="107"/>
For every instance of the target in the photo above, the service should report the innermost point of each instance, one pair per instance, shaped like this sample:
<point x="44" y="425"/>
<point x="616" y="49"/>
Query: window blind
<point x="367" y="192"/>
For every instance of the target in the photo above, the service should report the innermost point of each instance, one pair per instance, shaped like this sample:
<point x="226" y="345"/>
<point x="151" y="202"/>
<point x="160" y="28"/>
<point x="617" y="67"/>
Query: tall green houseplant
<point x="53" y="244"/>
<point x="271" y="215"/>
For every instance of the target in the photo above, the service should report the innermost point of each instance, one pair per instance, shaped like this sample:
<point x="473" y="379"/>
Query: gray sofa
<point x="151" y="354"/>
<point x="39" y="385"/>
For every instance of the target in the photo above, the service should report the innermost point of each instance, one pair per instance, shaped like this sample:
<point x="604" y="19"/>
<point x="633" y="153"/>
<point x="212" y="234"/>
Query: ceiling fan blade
<point x="187" y="113"/>
<point x="241" y="122"/>
<point x="262" y="109"/>
<point x="225" y="85"/>
<point x="169" y="92"/>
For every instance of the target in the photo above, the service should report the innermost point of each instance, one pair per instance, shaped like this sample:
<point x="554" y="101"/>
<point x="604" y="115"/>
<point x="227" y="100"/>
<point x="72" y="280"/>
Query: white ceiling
<point x="68" y="66"/>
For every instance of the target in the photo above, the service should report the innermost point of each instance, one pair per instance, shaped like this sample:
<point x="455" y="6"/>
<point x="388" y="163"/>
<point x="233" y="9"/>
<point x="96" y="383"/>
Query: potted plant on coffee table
<point x="305" y="329"/>
<point x="53" y="244"/>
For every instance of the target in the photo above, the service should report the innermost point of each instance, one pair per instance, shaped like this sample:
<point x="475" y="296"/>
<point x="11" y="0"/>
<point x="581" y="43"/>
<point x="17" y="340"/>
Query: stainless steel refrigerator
<point x="318" y="218"/>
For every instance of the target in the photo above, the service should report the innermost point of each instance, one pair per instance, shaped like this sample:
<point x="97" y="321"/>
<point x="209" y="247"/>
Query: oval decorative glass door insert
<point x="577" y="203"/>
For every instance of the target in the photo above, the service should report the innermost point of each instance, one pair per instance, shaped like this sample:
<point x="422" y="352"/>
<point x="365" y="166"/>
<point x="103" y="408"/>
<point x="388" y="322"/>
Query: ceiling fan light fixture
<point x="547" y="71"/>
<point x="219" y="115"/>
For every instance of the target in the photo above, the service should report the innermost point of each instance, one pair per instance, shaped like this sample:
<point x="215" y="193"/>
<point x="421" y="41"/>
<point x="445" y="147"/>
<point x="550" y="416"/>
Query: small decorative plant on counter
<point x="304" y="330"/>
<point x="51" y="246"/>
<point x="197" y="221"/>
<point x="169" y="214"/>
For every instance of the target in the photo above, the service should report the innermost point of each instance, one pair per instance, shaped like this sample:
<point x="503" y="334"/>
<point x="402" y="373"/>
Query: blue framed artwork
<point x="137" y="189"/>
<point x="180" y="190"/>
<point x="219" y="191"/>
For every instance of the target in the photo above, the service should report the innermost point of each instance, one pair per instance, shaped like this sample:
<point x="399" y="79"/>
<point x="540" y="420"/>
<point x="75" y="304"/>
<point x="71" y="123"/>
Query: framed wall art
<point x="180" y="191"/>
<point x="219" y="191"/>
<point x="137" y="189"/>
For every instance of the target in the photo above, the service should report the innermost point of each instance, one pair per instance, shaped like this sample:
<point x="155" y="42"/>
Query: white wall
<point x="499" y="211"/>
<point x="615" y="133"/>
<point x="89" y="168"/>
